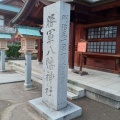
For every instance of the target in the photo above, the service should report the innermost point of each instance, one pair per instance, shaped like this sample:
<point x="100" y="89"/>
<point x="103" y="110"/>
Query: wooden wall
<point x="110" y="63"/>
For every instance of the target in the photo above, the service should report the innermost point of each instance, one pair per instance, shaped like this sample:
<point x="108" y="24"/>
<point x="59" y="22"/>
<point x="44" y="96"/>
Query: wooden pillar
<point x="118" y="41"/>
<point x="72" y="45"/>
<point x="118" y="50"/>
<point x="40" y="51"/>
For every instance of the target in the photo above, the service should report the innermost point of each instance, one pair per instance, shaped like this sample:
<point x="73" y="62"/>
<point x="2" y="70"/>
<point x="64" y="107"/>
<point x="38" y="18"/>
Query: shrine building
<point x="95" y="21"/>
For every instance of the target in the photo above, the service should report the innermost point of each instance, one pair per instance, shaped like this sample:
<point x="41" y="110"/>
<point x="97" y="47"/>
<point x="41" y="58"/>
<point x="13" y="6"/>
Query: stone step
<point x="72" y="96"/>
<point x="22" y="69"/>
<point x="76" y="90"/>
<point x="35" y="76"/>
<point x="73" y="91"/>
<point x="35" y="69"/>
<point x="98" y="93"/>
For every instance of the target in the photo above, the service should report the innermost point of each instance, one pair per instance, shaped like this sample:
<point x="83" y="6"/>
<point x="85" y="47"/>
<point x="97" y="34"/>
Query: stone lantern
<point x="28" y="36"/>
<point x="27" y="44"/>
<point x="3" y="46"/>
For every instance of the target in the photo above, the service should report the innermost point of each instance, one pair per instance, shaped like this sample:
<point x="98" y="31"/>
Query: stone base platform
<point x="68" y="113"/>
<point x="100" y="86"/>
<point x="99" y="93"/>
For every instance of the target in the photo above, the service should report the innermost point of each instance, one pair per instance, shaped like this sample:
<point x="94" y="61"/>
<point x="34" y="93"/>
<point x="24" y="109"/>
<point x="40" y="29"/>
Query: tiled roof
<point x="30" y="31"/>
<point x="9" y="8"/>
<point x="5" y="36"/>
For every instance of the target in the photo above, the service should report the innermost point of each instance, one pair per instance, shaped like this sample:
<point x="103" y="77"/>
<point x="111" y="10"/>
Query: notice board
<point x="82" y="46"/>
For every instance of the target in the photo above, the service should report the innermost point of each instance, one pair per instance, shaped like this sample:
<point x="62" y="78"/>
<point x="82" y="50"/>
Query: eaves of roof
<point x="24" y="12"/>
<point x="89" y="3"/>
<point x="29" y="5"/>
<point x="29" y="31"/>
<point x="5" y="36"/>
<point x="9" y="8"/>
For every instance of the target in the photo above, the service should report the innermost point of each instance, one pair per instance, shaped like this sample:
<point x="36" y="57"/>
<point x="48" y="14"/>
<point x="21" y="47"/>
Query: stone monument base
<point x="67" y="113"/>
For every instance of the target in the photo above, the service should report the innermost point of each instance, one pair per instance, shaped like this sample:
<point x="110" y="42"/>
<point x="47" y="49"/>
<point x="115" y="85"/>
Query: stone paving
<point x="101" y="86"/>
<point x="8" y="77"/>
<point x="14" y="98"/>
<point x="14" y="105"/>
<point x="98" y="78"/>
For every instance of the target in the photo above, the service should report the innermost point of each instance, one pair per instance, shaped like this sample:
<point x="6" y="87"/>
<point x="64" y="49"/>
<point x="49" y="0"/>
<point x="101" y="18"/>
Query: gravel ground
<point x="14" y="105"/>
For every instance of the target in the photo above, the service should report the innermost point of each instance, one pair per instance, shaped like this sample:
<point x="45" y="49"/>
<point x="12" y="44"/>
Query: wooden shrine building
<point x="8" y="10"/>
<point x="96" y="21"/>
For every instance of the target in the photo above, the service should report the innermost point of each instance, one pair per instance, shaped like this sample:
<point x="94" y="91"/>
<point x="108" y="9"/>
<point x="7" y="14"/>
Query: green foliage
<point x="13" y="51"/>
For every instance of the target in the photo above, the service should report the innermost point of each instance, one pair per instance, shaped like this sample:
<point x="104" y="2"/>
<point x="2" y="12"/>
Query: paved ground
<point x="14" y="105"/>
<point x="11" y="77"/>
<point x="103" y="80"/>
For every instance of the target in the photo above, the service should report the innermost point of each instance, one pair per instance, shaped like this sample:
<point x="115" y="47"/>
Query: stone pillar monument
<point x="2" y="60"/>
<point x="54" y="104"/>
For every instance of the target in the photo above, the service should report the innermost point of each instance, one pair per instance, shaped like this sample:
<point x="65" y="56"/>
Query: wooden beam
<point x="24" y="12"/>
<point x="115" y="22"/>
<point x="62" y="0"/>
<point x="72" y="45"/>
<point x="80" y="8"/>
<point x="103" y="19"/>
<point x="45" y="2"/>
<point x="117" y="65"/>
<point x="35" y="20"/>
<point x="106" y="6"/>
<point x="118" y="41"/>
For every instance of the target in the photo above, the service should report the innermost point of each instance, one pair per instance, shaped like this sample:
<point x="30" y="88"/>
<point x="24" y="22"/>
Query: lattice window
<point x="102" y="32"/>
<point x="102" y="47"/>
<point x="102" y="39"/>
